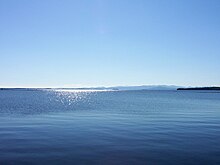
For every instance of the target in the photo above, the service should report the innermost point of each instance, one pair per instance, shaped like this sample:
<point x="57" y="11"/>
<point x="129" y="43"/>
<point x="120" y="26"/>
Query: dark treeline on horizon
<point x="200" y="88"/>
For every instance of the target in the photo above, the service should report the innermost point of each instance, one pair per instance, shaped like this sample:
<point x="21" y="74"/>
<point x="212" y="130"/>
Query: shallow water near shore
<point x="109" y="127"/>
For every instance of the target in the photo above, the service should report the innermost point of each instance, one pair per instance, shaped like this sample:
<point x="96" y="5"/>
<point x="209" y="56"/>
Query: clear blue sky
<point x="61" y="43"/>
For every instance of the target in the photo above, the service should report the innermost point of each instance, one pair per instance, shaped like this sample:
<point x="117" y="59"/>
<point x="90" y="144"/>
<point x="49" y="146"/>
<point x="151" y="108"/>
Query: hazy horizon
<point x="115" y="86"/>
<point x="108" y="86"/>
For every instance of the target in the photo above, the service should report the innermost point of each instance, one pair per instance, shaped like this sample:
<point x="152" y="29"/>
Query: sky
<point x="83" y="43"/>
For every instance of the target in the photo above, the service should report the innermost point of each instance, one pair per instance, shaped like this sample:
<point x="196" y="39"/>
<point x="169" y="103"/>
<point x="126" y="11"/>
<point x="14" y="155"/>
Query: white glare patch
<point x="81" y="90"/>
<point x="75" y="96"/>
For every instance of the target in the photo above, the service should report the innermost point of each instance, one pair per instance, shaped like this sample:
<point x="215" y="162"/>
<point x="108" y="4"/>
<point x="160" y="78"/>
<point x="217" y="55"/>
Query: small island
<point x="200" y="88"/>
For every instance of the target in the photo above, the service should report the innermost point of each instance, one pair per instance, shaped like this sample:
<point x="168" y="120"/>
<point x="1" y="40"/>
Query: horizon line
<point x="80" y="87"/>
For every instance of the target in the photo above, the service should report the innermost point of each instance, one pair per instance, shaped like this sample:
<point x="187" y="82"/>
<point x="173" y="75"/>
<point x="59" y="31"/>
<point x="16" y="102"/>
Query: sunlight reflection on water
<point x="69" y="97"/>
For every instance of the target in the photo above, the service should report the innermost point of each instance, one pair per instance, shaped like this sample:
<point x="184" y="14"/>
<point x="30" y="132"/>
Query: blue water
<point x="110" y="127"/>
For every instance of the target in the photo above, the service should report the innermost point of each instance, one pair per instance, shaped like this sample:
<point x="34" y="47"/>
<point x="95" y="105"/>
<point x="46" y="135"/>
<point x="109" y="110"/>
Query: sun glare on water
<point x="75" y="96"/>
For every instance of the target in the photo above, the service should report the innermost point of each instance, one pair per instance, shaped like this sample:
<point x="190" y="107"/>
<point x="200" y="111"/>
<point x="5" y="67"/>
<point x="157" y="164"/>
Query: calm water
<point x="118" y="127"/>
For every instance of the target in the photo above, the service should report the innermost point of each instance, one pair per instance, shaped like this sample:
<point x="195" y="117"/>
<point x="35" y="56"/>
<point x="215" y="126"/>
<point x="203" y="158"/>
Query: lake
<point x="109" y="127"/>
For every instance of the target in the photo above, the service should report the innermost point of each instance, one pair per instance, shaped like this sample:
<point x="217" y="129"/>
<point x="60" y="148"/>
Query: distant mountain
<point x="143" y="87"/>
<point x="121" y="88"/>
<point x="148" y="87"/>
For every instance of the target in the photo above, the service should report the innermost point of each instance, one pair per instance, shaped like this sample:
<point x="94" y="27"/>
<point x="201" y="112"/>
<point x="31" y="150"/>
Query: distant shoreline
<point x="200" y="88"/>
<point x="118" y="88"/>
<point x="115" y="88"/>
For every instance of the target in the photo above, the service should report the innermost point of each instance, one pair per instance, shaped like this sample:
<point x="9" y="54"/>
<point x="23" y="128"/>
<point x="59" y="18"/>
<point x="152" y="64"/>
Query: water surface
<point x="109" y="127"/>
